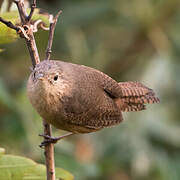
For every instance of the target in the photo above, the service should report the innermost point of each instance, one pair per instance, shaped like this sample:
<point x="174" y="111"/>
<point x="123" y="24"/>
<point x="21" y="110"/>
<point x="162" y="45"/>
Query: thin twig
<point x="31" y="44"/>
<point x="49" y="153"/>
<point x="9" y="24"/>
<point x="23" y="32"/>
<point x="35" y="26"/>
<point x="27" y="32"/>
<point x="53" y="22"/>
<point x="33" y="7"/>
<point x="22" y="11"/>
<point x="50" y="170"/>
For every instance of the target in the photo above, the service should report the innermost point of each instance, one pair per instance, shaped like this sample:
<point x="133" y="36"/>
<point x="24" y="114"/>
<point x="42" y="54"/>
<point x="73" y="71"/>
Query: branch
<point x="49" y="149"/>
<point x="30" y="41"/>
<point x="26" y="31"/>
<point x="22" y="11"/>
<point x="33" y="7"/>
<point x="9" y="24"/>
<point x="49" y="153"/>
<point x="31" y="44"/>
<point x="53" y="22"/>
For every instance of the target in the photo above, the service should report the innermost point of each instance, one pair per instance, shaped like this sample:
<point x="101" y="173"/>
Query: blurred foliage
<point x="16" y="168"/>
<point x="128" y="40"/>
<point x="9" y="35"/>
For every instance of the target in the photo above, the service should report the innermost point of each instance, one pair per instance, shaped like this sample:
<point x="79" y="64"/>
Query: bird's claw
<point x="48" y="140"/>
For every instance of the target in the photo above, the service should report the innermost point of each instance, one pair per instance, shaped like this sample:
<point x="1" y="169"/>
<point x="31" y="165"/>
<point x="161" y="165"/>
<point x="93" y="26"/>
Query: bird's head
<point x="48" y="77"/>
<point x="47" y="73"/>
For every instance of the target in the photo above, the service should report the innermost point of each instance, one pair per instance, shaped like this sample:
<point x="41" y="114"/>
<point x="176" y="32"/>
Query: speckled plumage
<point x="82" y="99"/>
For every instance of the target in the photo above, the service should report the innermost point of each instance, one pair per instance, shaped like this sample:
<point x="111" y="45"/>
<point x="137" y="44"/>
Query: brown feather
<point x="134" y="96"/>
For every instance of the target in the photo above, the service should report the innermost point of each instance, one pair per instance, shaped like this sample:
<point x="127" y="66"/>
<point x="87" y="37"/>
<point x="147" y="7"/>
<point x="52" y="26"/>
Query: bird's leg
<point x="50" y="139"/>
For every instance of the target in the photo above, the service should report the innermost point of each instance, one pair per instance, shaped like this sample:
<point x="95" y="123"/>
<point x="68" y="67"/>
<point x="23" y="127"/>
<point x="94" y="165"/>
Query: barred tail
<point x="134" y="96"/>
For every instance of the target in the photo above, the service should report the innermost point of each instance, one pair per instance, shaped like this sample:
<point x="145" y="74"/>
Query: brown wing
<point x="134" y="96"/>
<point x="93" y="105"/>
<point x="93" y="112"/>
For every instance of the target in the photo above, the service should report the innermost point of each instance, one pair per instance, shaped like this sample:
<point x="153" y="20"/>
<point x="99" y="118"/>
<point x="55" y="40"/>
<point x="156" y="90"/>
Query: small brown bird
<point x="81" y="99"/>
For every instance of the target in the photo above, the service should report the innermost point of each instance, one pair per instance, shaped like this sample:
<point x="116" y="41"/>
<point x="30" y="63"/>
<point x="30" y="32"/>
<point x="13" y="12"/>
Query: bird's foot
<point x="49" y="139"/>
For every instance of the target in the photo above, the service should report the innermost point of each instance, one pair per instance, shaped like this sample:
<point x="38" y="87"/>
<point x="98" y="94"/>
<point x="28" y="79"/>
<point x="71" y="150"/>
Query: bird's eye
<point x="55" y="77"/>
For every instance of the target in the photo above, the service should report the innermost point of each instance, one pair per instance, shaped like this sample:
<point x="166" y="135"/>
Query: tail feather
<point x="134" y="96"/>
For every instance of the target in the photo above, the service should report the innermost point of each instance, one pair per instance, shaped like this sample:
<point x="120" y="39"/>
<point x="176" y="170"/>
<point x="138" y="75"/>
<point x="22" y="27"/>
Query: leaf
<point x="16" y="168"/>
<point x="2" y="151"/>
<point x="1" y="50"/>
<point x="8" y="35"/>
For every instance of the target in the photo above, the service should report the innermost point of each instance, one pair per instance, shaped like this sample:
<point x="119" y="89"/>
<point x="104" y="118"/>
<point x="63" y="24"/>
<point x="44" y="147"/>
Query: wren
<point x="81" y="99"/>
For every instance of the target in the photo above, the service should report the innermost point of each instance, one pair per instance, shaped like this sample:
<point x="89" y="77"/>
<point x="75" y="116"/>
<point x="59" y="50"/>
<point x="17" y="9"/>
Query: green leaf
<point x="2" y="151"/>
<point x="8" y="35"/>
<point x="17" y="168"/>
<point x="1" y="50"/>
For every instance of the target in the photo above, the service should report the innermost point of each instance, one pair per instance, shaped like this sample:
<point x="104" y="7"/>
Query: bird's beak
<point x="40" y="76"/>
